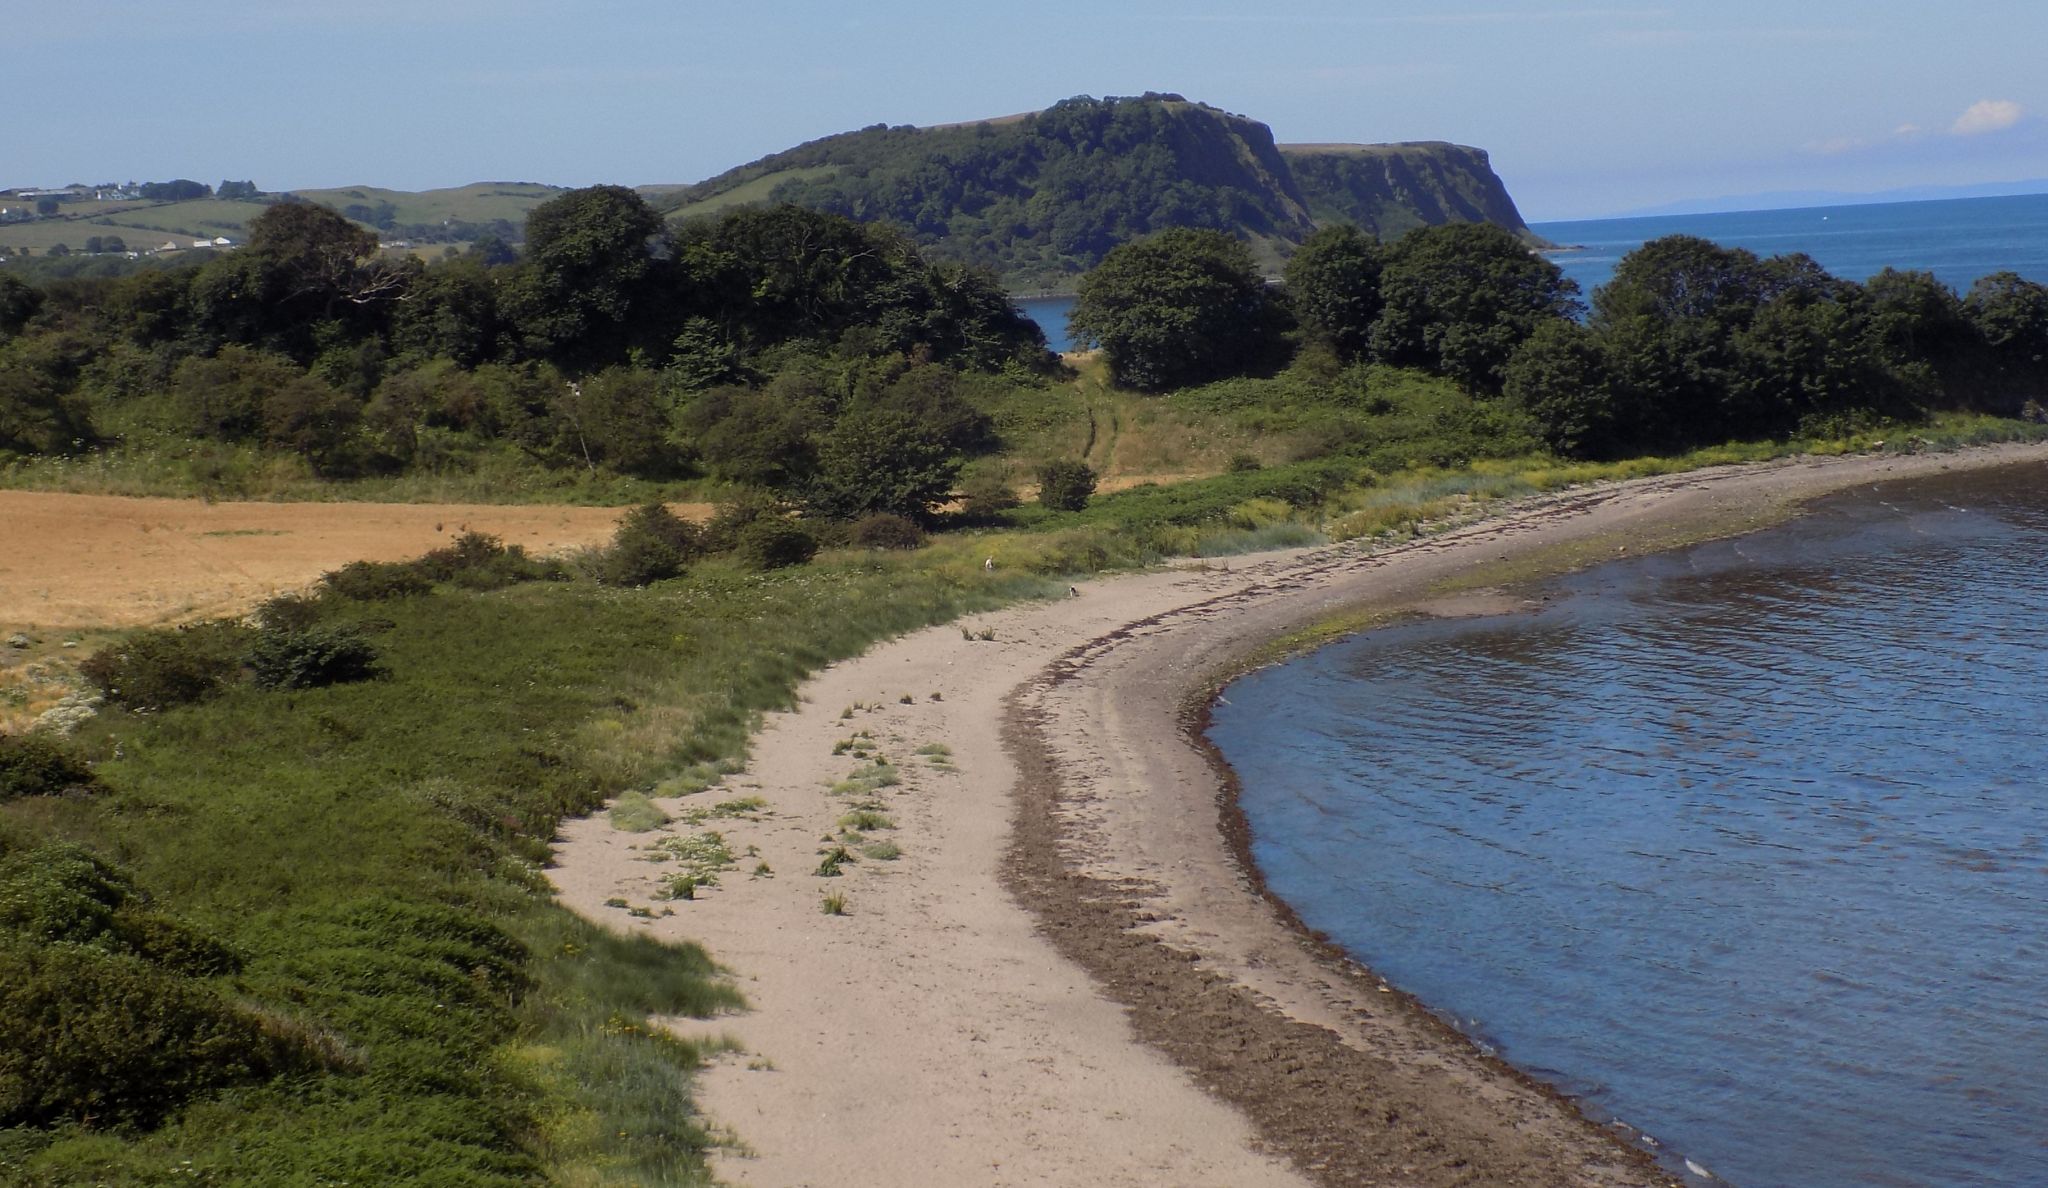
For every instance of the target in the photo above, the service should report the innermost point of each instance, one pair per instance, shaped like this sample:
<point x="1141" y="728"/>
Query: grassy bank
<point x="371" y="850"/>
<point x="367" y="855"/>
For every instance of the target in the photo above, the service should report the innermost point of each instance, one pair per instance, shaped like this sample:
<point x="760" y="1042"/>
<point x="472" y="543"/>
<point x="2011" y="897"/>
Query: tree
<point x="1333" y="287"/>
<point x="46" y="207"/>
<point x="2010" y="316"/>
<point x="1065" y="484"/>
<point x="882" y="460"/>
<point x="1684" y="276"/>
<point x="751" y="437"/>
<point x="58" y="249"/>
<point x="318" y="259"/>
<point x="591" y="260"/>
<point x="1560" y="376"/>
<point x="1183" y="307"/>
<point x="181" y="190"/>
<point x="40" y="411"/>
<point x="236" y="191"/>
<point x="1459" y="298"/>
<point x="94" y="245"/>
<point x="19" y="301"/>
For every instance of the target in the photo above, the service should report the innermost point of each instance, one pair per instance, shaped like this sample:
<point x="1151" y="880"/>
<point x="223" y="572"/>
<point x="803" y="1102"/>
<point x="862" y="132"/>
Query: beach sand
<point x="1070" y="976"/>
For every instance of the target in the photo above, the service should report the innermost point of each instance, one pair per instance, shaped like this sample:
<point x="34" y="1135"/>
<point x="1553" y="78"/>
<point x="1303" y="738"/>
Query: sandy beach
<point x="1070" y="975"/>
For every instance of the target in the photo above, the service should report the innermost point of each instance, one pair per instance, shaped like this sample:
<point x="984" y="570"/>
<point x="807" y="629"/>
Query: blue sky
<point x="1588" y="109"/>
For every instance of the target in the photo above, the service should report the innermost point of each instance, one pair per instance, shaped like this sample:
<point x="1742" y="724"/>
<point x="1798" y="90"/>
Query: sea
<point x="1958" y="240"/>
<point x="1744" y="846"/>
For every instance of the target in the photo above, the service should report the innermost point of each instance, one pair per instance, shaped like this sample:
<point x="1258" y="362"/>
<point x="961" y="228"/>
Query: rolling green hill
<point x="1041" y="197"/>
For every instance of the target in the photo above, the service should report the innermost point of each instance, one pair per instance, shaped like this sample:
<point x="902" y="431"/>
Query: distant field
<point x="478" y="203"/>
<point x="145" y="225"/>
<point x="142" y="225"/>
<point x="753" y="191"/>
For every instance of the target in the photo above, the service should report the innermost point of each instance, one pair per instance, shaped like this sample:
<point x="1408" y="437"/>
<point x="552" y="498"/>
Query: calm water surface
<point x="1958" y="239"/>
<point x="1746" y="846"/>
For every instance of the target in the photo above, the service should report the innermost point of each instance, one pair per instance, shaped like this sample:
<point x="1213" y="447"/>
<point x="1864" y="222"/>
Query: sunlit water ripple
<point x="1746" y="845"/>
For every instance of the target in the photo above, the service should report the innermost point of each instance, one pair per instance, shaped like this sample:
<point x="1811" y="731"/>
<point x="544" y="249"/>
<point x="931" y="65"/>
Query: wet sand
<point x="1071" y="975"/>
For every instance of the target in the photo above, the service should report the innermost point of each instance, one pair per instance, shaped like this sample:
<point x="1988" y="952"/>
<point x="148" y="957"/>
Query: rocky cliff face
<point x="1388" y="189"/>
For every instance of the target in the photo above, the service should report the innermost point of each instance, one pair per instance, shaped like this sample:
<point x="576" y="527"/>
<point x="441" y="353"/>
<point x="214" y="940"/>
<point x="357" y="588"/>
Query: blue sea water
<point x="1958" y="240"/>
<point x="1745" y="845"/>
<point x="1051" y="315"/>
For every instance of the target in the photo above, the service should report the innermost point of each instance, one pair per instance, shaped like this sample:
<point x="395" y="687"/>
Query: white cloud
<point x="1906" y="130"/>
<point x="1988" y="115"/>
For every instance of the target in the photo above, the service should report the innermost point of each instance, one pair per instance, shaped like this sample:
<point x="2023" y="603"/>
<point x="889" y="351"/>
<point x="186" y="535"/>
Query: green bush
<point x="375" y="581"/>
<point x="1065" y="484"/>
<point x="101" y="1038"/>
<point x="153" y="670"/>
<point x="312" y="657"/>
<point x="64" y="894"/>
<point x="483" y="562"/>
<point x="986" y="495"/>
<point x="35" y="765"/>
<point x="103" y="1012"/>
<point x="774" y="544"/>
<point x="885" y="531"/>
<point x="731" y="515"/>
<point x="651" y="545"/>
<point x="289" y="612"/>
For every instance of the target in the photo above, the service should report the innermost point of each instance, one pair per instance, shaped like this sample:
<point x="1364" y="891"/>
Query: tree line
<point x="1689" y="343"/>
<point x="770" y="345"/>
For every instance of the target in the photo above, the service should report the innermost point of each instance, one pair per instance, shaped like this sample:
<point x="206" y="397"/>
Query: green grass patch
<point x="632" y="812"/>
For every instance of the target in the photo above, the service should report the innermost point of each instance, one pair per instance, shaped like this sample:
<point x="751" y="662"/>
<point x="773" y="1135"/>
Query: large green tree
<point x="882" y="461"/>
<point x="1459" y="298"/>
<point x="2010" y="316"/>
<point x="1333" y="288"/>
<point x="1183" y="307"/>
<point x="590" y="289"/>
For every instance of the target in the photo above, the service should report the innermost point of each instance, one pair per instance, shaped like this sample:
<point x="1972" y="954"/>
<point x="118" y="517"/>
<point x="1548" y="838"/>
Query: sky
<point x="1588" y="109"/>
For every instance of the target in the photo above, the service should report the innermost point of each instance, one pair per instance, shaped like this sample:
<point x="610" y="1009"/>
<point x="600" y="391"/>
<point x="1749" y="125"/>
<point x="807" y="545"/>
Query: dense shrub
<point x="774" y="544"/>
<point x="987" y="495"/>
<point x="374" y="581"/>
<point x="884" y="531"/>
<point x="289" y="612"/>
<point x="312" y="657"/>
<point x="34" y="765"/>
<point x="108" y="1038"/>
<point x="478" y="561"/>
<point x="153" y="670"/>
<point x="651" y="545"/>
<point x="1065" y="484"/>
<point x="732" y="515"/>
<point x="102" y="1016"/>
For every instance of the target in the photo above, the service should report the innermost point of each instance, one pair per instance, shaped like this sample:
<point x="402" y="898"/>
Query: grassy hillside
<point x="1041" y="197"/>
<point x="476" y="203"/>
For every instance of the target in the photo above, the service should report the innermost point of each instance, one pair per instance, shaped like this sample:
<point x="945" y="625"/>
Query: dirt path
<point x="106" y="561"/>
<point x="1069" y="976"/>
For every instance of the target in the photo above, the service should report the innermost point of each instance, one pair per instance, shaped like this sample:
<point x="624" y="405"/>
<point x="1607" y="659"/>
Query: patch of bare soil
<point x="105" y="561"/>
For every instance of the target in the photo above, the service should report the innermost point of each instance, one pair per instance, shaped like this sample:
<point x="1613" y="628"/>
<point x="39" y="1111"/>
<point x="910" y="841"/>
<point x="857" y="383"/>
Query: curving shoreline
<point x="945" y="1031"/>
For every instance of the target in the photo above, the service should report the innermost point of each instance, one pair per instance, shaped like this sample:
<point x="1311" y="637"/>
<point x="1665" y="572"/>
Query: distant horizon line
<point x="1776" y="200"/>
